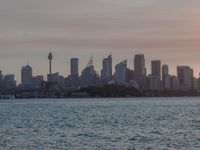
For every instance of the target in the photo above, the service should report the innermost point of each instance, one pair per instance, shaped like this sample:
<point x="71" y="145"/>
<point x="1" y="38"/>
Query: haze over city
<point x="100" y="74"/>
<point x="161" y="29"/>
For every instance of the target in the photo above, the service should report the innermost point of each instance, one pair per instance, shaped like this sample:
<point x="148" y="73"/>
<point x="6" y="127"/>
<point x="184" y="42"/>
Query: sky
<point x="160" y="29"/>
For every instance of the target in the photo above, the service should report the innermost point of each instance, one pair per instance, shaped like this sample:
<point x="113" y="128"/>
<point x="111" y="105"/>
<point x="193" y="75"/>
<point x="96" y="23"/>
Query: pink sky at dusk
<point x="161" y="29"/>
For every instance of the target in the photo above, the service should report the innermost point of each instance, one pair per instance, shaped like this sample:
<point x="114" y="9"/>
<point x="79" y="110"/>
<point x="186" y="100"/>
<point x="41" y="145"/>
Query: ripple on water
<point x="100" y="124"/>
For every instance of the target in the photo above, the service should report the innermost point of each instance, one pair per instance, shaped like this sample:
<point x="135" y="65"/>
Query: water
<point x="134" y="123"/>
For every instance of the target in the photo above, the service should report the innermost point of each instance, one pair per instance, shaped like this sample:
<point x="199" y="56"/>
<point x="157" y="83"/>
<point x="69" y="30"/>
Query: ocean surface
<point x="122" y="123"/>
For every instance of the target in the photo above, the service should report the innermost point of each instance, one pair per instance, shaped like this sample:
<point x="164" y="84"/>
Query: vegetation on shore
<point x="110" y="91"/>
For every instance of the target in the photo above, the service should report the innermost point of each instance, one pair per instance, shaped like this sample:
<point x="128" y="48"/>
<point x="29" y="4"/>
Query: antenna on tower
<point x="90" y="63"/>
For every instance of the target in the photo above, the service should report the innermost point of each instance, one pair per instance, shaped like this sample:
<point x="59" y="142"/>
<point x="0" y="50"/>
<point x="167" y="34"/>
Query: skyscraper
<point x="140" y="70"/>
<point x="74" y="77"/>
<point x="26" y="75"/>
<point x="139" y="65"/>
<point x="74" y="67"/>
<point x="185" y="76"/>
<point x="155" y="74"/>
<point x="10" y="82"/>
<point x="165" y="74"/>
<point x="120" y="72"/>
<point x="165" y="71"/>
<point x="107" y="68"/>
<point x="88" y="76"/>
<point x="156" y="68"/>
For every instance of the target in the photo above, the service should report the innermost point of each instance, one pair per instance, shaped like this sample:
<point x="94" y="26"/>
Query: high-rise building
<point x="139" y="65"/>
<point x="37" y="81"/>
<point x="195" y="84"/>
<point x="26" y="75"/>
<point x="165" y="71"/>
<point x="140" y="70"/>
<point x="106" y="73"/>
<point x="165" y="74"/>
<point x="155" y="74"/>
<point x="154" y="83"/>
<point x="74" y="66"/>
<point x="167" y="82"/>
<point x="74" y="77"/>
<point x="129" y="74"/>
<point x="156" y="68"/>
<point x="10" y="82"/>
<point x="120" y="72"/>
<point x="56" y="79"/>
<point x="174" y="83"/>
<point x="185" y="76"/>
<point x="88" y="76"/>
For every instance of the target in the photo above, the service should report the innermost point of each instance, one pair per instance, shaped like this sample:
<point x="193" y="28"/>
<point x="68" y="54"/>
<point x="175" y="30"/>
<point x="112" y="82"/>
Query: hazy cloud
<point x="29" y="28"/>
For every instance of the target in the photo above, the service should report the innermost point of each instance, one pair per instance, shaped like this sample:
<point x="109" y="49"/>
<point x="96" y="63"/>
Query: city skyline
<point x="159" y="79"/>
<point x="99" y="74"/>
<point x="156" y="67"/>
<point x="130" y="64"/>
<point x="160" y="29"/>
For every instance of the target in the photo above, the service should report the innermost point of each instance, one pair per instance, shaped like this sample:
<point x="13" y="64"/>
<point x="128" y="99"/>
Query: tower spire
<point x="50" y="57"/>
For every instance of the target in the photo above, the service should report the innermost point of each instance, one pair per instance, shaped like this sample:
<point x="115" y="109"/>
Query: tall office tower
<point x="139" y="64"/>
<point x="50" y="57"/>
<point x="165" y="74"/>
<point x="74" y="67"/>
<point x="185" y="76"/>
<point x="120" y="72"/>
<point x="26" y="75"/>
<point x="74" y="73"/>
<point x="165" y="71"/>
<point x="140" y="70"/>
<point x="88" y="76"/>
<point x="156" y="68"/>
<point x="155" y="74"/>
<point x="107" y="68"/>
